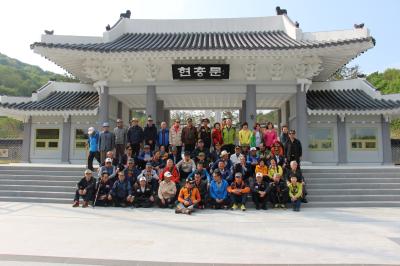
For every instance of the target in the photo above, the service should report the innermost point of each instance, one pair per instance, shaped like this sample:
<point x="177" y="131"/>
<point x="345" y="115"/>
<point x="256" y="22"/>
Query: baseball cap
<point x="108" y="160"/>
<point x="238" y="174"/>
<point x="167" y="174"/>
<point x="142" y="178"/>
<point x="91" y="130"/>
<point x="259" y="174"/>
<point x="253" y="149"/>
<point x="105" y="124"/>
<point x="88" y="171"/>
<point x="223" y="153"/>
<point x="131" y="160"/>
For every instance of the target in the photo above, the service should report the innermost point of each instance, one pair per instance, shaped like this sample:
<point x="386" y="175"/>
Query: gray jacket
<point x="106" y="141"/>
<point x="120" y="135"/>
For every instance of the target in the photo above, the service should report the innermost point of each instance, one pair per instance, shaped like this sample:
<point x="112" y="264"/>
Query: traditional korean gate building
<point x="236" y="63"/>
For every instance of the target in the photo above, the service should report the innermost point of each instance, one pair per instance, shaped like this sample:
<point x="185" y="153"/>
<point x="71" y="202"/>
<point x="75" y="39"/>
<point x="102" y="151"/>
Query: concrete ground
<point x="52" y="234"/>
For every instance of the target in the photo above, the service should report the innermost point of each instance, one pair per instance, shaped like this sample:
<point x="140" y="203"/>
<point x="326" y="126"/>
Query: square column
<point x="342" y="139"/>
<point x="167" y="117"/>
<point x="151" y="102"/>
<point x="242" y="112"/>
<point x="26" y="143"/>
<point x="160" y="112"/>
<point x="251" y="105"/>
<point x="386" y="142"/>
<point x="104" y="100"/>
<point x="302" y="121"/>
<point x="66" y="139"/>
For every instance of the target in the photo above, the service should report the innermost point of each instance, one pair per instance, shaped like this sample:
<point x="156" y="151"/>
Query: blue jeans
<point x="296" y="204"/>
<point x="238" y="199"/>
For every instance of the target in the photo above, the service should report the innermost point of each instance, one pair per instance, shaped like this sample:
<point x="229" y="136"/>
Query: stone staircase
<point x="338" y="187"/>
<point x="38" y="184"/>
<point x="361" y="187"/>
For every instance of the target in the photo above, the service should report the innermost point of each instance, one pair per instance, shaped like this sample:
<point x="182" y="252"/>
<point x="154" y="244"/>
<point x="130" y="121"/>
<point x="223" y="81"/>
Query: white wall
<point x="324" y="156"/>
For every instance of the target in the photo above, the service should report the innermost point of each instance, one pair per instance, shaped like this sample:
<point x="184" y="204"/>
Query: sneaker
<point x="276" y="206"/>
<point x="76" y="204"/>
<point x="264" y="207"/>
<point x="226" y="207"/>
<point x="178" y="211"/>
<point x="234" y="206"/>
<point x="257" y="207"/>
<point x="283" y="206"/>
<point x="242" y="207"/>
<point x="85" y="204"/>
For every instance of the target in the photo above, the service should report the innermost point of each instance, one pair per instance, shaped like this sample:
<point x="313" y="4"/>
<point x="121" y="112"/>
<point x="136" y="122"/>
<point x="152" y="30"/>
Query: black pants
<point x="183" y="175"/>
<point x="179" y="153"/>
<point x="93" y="155"/>
<point x="229" y="148"/>
<point x="102" y="202"/>
<point x="142" y="203"/>
<point x="258" y="200"/>
<point x="152" y="145"/>
<point x="214" y="204"/>
<point x="278" y="197"/>
<point x="190" y="147"/>
<point x="119" y="151"/>
<point x="168" y="203"/>
<point x="135" y="148"/>
<point x="238" y="199"/>
<point x="119" y="202"/>
<point x="87" y="197"/>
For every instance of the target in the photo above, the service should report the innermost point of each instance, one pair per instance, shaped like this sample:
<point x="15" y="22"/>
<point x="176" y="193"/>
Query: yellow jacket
<point x="295" y="191"/>
<point x="273" y="171"/>
<point x="263" y="170"/>
<point x="244" y="137"/>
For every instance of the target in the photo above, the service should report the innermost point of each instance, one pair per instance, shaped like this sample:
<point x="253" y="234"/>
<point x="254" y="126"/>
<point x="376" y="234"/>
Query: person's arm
<point x="160" y="188"/>
<point x="197" y="197"/>
<point x="113" y="172"/>
<point x="208" y="176"/>
<point x="212" y="193"/>
<point x="180" y="197"/>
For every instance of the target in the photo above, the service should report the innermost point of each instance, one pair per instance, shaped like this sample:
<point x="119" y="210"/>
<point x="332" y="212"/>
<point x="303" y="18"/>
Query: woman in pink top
<point x="270" y="135"/>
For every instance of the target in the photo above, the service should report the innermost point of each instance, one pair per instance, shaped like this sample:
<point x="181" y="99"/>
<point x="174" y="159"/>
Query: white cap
<point x="108" y="160"/>
<point x="167" y="174"/>
<point x="142" y="178"/>
<point x="253" y="149"/>
<point x="88" y="171"/>
<point x="224" y="152"/>
<point x="259" y="174"/>
<point x="90" y="130"/>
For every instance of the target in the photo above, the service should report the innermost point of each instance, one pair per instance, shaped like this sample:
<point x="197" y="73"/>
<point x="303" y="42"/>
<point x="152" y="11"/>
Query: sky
<point x="23" y="22"/>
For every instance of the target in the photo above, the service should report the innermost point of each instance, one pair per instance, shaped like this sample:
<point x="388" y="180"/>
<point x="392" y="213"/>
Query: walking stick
<point x="97" y="194"/>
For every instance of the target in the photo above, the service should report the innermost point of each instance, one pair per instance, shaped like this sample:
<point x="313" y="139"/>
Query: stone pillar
<point x="283" y="115"/>
<point x="279" y="121"/>
<point x="26" y="142"/>
<point x="167" y="117"/>
<point x="342" y="140"/>
<point x="218" y="116"/>
<point x="386" y="142"/>
<point x="160" y="112"/>
<point x="66" y="140"/>
<point x="287" y="109"/>
<point x="302" y="121"/>
<point x="242" y="112"/>
<point x="104" y="104"/>
<point x="251" y="105"/>
<point x="151" y="102"/>
<point x="119" y="110"/>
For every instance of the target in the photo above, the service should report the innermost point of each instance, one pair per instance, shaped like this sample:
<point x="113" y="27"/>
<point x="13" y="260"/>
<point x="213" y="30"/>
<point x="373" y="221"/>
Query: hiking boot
<point x="177" y="211"/>
<point x="85" y="204"/>
<point x="242" y="207"/>
<point x="225" y="207"/>
<point x="264" y="207"/>
<point x="283" y="206"/>
<point x="76" y="204"/>
<point x="234" y="206"/>
<point x="276" y="206"/>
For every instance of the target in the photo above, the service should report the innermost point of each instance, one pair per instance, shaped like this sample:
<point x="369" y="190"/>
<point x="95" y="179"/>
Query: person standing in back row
<point x="120" y="133"/>
<point x="175" y="139"/>
<point x="135" y="136"/>
<point x="189" y="136"/>
<point x="106" y="141"/>
<point x="93" y="142"/>
<point x="293" y="149"/>
<point x="228" y="137"/>
<point x="150" y="134"/>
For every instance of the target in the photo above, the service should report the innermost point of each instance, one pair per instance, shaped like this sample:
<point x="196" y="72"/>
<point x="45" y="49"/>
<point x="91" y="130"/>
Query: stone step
<point x="313" y="192"/>
<point x="360" y="180"/>
<point x="39" y="167"/>
<point x="359" y="169"/>
<point x="41" y="172"/>
<point x="71" y="183"/>
<point x="321" y="198"/>
<point x="35" y="194"/>
<point x="36" y="199"/>
<point x="351" y="204"/>
<point x="40" y="177"/>
<point x="351" y="175"/>
<point x="312" y="185"/>
<point x="23" y="187"/>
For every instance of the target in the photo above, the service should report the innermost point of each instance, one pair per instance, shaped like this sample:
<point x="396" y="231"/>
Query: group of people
<point x="188" y="168"/>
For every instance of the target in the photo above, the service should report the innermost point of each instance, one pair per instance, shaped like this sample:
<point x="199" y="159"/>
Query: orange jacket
<point x="263" y="170"/>
<point x="185" y="194"/>
<point x="244" y="189"/>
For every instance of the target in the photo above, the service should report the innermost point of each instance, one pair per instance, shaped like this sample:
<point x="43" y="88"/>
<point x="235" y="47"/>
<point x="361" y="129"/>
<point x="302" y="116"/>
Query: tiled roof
<point x="347" y="100"/>
<point x="261" y="40"/>
<point x="59" y="101"/>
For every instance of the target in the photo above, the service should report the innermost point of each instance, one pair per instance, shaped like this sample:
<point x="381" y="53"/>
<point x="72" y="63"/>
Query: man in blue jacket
<point x="93" y="142"/>
<point x="121" y="192"/>
<point x="218" y="192"/>
<point x="163" y="136"/>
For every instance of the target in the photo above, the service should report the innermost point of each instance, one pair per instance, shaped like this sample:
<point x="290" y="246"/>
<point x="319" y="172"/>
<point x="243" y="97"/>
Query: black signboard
<point x="200" y="71"/>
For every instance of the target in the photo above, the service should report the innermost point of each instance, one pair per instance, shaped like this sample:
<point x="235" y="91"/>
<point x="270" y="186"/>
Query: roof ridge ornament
<point x="280" y="11"/>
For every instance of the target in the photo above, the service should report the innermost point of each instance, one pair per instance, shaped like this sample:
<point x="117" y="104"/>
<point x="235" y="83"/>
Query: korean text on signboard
<point x="201" y="71"/>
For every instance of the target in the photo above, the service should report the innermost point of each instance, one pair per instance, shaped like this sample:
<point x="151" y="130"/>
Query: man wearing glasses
<point x="293" y="149"/>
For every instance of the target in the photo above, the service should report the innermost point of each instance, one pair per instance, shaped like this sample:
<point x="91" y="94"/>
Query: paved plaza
<point x="51" y="234"/>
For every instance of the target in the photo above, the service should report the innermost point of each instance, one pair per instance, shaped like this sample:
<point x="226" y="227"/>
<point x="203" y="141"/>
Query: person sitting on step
<point x="218" y="191"/>
<point x="259" y="192"/>
<point x="295" y="193"/>
<point x="121" y="192"/>
<point x="103" y="188"/>
<point x="85" y="189"/>
<point x="294" y="170"/>
<point x="278" y="192"/>
<point x="189" y="197"/>
<point x="238" y="191"/>
<point x="166" y="191"/>
<point x="143" y="196"/>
